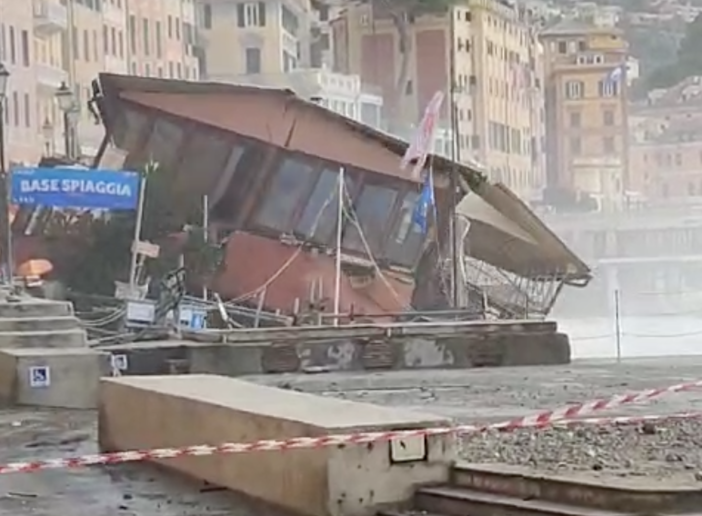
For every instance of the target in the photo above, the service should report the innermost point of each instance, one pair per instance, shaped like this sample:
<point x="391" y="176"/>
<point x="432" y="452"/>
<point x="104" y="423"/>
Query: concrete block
<point x="226" y="359"/>
<point x="35" y="307"/>
<point x="352" y="480"/>
<point x="74" y="338"/>
<point x="151" y="357"/>
<point x="51" y="323"/>
<point x="52" y="377"/>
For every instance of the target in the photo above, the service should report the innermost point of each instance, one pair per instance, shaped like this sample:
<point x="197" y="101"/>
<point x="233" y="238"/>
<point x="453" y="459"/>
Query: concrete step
<point x="35" y="308"/>
<point x="39" y="323"/>
<point x="75" y="338"/>
<point x="625" y="495"/>
<point x="455" y="501"/>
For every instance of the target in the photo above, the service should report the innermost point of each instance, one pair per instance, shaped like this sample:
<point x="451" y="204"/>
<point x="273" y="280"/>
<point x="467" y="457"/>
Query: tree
<point x="106" y="240"/>
<point x="688" y="61"/>
<point x="403" y="13"/>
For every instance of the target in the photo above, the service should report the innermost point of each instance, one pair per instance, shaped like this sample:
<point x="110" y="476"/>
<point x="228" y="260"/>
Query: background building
<point x="666" y="150"/>
<point x="496" y="75"/>
<point x="586" y="111"/>
<point x="45" y="43"/>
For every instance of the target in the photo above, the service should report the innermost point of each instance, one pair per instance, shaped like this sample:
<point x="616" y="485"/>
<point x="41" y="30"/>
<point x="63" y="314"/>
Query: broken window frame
<point x="302" y="182"/>
<point x="374" y="233"/>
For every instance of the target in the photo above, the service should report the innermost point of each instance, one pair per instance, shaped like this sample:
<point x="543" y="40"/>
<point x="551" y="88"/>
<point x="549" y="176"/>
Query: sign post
<point x="68" y="187"/>
<point x="137" y="236"/>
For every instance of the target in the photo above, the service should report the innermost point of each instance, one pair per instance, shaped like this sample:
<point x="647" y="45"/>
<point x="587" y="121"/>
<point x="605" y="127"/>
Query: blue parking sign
<point x="39" y="376"/>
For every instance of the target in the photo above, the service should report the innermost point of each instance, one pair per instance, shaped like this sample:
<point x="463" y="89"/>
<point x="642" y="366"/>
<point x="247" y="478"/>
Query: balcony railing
<point x="50" y="17"/>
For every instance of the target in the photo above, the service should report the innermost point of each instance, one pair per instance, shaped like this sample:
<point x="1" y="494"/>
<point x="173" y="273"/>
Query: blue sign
<point x="65" y="187"/>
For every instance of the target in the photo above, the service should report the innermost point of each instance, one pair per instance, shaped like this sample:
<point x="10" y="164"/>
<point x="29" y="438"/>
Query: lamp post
<point x="47" y="131"/>
<point x="67" y="104"/>
<point x="4" y="178"/>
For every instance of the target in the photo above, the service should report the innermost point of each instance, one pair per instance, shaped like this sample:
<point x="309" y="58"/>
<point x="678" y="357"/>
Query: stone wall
<point x="354" y="349"/>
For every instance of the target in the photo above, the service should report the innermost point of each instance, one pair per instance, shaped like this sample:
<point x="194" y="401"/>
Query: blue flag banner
<point x="65" y="187"/>
<point x="425" y="202"/>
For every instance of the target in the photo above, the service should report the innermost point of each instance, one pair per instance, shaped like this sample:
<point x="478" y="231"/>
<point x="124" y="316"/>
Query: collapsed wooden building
<point x="269" y="163"/>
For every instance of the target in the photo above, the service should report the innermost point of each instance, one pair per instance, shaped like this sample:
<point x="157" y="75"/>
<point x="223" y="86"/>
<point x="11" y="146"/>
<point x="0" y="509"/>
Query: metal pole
<point x="453" y="229"/>
<point x="339" y="231"/>
<point x="205" y="231"/>
<point x="137" y="237"/>
<point x="5" y="201"/>
<point x="617" y="325"/>
<point x="67" y="135"/>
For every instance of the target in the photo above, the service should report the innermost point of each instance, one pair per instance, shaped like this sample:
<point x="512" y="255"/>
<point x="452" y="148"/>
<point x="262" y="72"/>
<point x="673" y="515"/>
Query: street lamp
<point x="67" y="104"/>
<point x="4" y="180"/>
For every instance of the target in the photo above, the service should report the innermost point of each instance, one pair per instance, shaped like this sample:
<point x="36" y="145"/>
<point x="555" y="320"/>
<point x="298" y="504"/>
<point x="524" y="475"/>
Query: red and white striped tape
<point x="562" y="416"/>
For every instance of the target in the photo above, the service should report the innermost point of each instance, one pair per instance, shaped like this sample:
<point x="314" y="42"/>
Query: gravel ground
<point x="667" y="451"/>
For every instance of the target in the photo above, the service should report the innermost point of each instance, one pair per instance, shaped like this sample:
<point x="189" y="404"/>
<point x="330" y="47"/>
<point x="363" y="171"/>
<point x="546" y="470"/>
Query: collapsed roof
<point x="504" y="231"/>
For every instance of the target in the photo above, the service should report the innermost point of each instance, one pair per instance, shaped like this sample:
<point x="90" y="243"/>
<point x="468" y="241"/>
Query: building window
<point x="13" y="46"/>
<point x="608" y="88"/>
<point x="27" y="111"/>
<point x="289" y="62"/>
<point x="25" y="47"/>
<point x="120" y="38"/>
<point x="207" y="15"/>
<point x="86" y="46"/>
<point x="574" y="89"/>
<point x="132" y="34"/>
<point x="288" y="185"/>
<point x="251" y="14"/>
<point x="105" y="40"/>
<point x="159" y="48"/>
<point x="406" y="237"/>
<point x="608" y="117"/>
<point x="16" y="108"/>
<point x="575" y="119"/>
<point x="170" y="27"/>
<point x="96" y="52"/>
<point x="176" y="24"/>
<point x="373" y="208"/>
<point x="576" y="146"/>
<point x="608" y="145"/>
<point x="145" y="30"/>
<point x="318" y="220"/>
<point x="562" y="47"/>
<point x="289" y="21"/>
<point x="253" y="60"/>
<point x="113" y="39"/>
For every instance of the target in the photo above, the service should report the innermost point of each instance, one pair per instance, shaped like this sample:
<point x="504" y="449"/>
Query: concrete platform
<point x="51" y="323"/>
<point x="73" y="338"/>
<point x="157" y="411"/>
<point x="628" y="495"/>
<point x="52" y="377"/>
<point x="34" y="307"/>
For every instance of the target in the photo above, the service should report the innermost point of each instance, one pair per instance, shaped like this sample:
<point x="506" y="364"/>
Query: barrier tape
<point x="562" y="416"/>
<point x="627" y="420"/>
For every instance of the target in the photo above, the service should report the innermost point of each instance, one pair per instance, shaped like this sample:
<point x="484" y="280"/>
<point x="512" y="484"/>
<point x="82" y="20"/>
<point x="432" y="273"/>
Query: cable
<point x="291" y="259"/>
<point x="662" y="336"/>
<point x="354" y="219"/>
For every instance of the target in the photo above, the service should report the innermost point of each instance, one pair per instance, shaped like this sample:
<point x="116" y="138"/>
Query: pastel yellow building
<point x="47" y="43"/>
<point x="586" y="110"/>
<point x="255" y="38"/>
<point x="496" y="73"/>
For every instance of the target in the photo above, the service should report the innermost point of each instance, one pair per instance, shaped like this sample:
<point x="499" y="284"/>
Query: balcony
<point x="50" y="17"/>
<point x="49" y="78"/>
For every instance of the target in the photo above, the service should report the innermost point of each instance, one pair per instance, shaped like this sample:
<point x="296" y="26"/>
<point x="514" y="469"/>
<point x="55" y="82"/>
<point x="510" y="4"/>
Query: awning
<point x="505" y="233"/>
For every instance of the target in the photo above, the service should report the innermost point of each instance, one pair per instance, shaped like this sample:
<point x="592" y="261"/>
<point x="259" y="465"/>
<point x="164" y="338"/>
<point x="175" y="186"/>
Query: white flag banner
<point x="423" y="138"/>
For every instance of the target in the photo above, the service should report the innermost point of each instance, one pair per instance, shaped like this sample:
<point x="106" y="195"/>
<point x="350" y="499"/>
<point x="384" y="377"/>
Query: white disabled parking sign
<point x="39" y="376"/>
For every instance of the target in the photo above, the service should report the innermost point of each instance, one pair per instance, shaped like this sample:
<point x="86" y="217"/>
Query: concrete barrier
<point x="52" y="377"/>
<point x="140" y="412"/>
